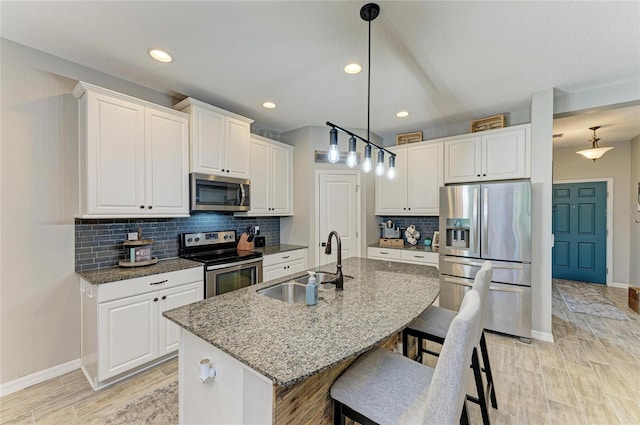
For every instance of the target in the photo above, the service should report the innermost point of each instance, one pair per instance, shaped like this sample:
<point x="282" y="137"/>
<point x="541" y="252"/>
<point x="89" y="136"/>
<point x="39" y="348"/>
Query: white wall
<point x="567" y="165"/>
<point x="541" y="185"/>
<point x="634" y="205"/>
<point x="39" y="297"/>
<point x="300" y="228"/>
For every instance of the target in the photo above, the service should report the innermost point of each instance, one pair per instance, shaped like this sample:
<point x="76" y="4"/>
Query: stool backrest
<point x="447" y="390"/>
<point x="481" y="283"/>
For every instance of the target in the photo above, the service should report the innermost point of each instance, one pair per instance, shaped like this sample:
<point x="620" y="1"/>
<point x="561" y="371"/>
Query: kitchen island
<point x="276" y="361"/>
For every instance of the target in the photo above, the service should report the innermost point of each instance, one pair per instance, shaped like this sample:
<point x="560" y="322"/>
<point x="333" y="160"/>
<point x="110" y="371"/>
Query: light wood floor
<point x="591" y="375"/>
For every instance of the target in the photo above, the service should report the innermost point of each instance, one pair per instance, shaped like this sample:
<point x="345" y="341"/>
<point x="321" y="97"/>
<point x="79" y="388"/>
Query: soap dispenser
<point x="312" y="289"/>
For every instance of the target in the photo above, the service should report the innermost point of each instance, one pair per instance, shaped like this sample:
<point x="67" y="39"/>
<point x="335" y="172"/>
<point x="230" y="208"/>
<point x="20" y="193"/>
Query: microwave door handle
<point x="242" y="195"/>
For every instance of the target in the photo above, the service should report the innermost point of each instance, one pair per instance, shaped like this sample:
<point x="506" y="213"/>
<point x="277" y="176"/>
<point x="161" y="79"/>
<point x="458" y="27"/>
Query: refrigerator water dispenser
<point x="457" y="233"/>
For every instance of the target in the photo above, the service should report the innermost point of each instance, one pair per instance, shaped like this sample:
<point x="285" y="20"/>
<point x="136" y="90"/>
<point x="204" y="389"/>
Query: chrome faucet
<point x="339" y="281"/>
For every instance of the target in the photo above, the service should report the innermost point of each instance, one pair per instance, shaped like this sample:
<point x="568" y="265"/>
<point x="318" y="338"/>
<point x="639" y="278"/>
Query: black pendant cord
<point x="369" y="86"/>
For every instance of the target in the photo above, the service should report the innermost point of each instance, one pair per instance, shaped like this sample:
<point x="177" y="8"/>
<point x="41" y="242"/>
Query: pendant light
<point x="368" y="13"/>
<point x="596" y="152"/>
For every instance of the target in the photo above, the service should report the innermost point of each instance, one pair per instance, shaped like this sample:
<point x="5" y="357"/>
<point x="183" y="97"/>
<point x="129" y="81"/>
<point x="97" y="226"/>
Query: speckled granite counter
<point x="276" y="249"/>
<point x="407" y="247"/>
<point x="288" y="343"/>
<point x="114" y="274"/>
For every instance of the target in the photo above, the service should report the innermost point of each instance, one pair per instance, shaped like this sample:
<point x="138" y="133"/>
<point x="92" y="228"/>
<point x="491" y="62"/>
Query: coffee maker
<point x="388" y="230"/>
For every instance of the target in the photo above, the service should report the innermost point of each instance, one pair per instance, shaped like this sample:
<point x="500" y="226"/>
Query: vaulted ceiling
<point x="443" y="61"/>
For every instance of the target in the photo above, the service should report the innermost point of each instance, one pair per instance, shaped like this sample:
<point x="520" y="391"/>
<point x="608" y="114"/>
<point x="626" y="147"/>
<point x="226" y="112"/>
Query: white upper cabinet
<point x="415" y="188"/>
<point x="133" y="156"/>
<point x="219" y="140"/>
<point x="492" y="155"/>
<point x="271" y="174"/>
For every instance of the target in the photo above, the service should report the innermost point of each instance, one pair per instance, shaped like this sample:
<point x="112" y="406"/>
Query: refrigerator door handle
<point x="476" y="223"/>
<point x="485" y="221"/>
<point x="459" y="281"/>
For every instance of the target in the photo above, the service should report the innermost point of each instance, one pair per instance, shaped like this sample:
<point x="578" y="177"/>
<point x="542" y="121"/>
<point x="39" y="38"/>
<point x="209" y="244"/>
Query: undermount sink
<point x="289" y="292"/>
<point x="296" y="291"/>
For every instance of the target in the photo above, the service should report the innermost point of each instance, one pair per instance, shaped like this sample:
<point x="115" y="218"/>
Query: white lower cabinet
<point x="123" y="329"/>
<point x="404" y="256"/>
<point x="275" y="266"/>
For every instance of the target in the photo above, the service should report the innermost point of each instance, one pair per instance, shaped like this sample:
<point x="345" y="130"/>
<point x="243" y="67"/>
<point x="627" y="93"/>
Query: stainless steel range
<point x="226" y="267"/>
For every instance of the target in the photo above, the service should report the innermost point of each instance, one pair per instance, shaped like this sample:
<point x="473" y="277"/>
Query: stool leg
<point x="405" y="344"/>
<point x="487" y="370"/>
<point x="338" y="417"/>
<point x="482" y="399"/>
<point x="419" y="349"/>
<point x="464" y="418"/>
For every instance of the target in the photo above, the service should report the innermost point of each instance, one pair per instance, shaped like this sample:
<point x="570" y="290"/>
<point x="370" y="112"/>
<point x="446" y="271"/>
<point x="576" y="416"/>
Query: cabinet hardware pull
<point x="164" y="297"/>
<point x="384" y="253"/>
<point x="285" y="257"/>
<point x="419" y="256"/>
<point x="150" y="207"/>
<point x="142" y="206"/>
<point x="158" y="283"/>
<point x="155" y="299"/>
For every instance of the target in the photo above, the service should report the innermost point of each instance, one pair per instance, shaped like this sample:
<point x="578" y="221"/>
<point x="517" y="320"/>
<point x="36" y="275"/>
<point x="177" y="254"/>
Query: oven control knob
<point x="197" y="239"/>
<point x="189" y="240"/>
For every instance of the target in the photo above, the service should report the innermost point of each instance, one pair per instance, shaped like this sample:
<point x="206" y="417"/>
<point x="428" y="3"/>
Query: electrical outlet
<point x="257" y="229"/>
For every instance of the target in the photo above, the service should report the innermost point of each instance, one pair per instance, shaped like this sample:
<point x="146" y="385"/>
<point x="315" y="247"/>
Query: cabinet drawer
<point x="283" y="257"/>
<point x="384" y="253"/>
<point x="429" y="258"/>
<point x="142" y="285"/>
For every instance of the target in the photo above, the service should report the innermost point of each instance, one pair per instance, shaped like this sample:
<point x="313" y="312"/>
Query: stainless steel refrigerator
<point x="488" y="221"/>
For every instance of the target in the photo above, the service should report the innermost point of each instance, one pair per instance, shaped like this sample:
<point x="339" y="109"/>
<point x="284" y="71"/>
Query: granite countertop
<point x="419" y="247"/>
<point x="114" y="274"/>
<point x="290" y="342"/>
<point x="276" y="249"/>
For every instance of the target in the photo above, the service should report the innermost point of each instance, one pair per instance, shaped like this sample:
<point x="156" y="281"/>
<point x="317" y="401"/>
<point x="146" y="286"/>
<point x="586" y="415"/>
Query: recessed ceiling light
<point x="352" y="68"/>
<point x="402" y="114"/>
<point x="269" y="105"/>
<point x="160" y="55"/>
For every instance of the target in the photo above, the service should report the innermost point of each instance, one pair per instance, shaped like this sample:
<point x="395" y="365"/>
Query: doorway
<point x="580" y="222"/>
<point x="338" y="209"/>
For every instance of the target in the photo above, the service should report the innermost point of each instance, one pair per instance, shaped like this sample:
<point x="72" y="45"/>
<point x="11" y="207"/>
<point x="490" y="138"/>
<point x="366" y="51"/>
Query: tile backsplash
<point x="425" y="225"/>
<point x="99" y="242"/>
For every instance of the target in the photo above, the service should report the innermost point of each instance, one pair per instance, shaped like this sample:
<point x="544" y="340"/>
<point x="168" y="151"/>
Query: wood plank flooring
<point x="591" y="375"/>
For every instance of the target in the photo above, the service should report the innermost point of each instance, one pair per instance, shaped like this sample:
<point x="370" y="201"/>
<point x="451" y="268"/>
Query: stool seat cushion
<point x="433" y="321"/>
<point x="389" y="387"/>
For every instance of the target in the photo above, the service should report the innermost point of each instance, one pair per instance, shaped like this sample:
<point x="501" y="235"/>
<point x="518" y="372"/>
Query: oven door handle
<point x="237" y="263"/>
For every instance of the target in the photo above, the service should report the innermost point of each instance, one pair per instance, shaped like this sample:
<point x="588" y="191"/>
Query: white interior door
<point x="339" y="211"/>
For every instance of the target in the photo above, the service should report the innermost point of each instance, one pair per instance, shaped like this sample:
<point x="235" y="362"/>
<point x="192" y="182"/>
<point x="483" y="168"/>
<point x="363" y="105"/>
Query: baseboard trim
<point x="542" y="336"/>
<point x="618" y="285"/>
<point x="38" y="377"/>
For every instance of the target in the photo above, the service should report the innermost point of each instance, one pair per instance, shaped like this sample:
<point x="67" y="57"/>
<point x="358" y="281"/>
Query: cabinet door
<point x="167" y="147"/>
<point x="504" y="155"/>
<point x="296" y="266"/>
<point x="207" y="141"/>
<point x="281" y="162"/>
<point x="168" y="332"/>
<point x="425" y="176"/>
<point x="236" y="148"/>
<point x="260" y="182"/>
<point x="272" y="272"/>
<point x="462" y="160"/>
<point x="127" y="334"/>
<point x="115" y="156"/>
<point x="391" y="194"/>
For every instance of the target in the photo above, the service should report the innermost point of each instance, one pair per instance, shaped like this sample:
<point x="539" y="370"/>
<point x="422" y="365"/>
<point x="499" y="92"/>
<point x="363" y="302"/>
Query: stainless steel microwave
<point x="216" y="193"/>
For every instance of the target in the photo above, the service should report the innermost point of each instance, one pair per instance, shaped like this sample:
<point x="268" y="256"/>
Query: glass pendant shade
<point x="380" y="166"/>
<point x="352" y="158"/>
<point x="366" y="164"/>
<point x="596" y="152"/>
<point x="334" y="154"/>
<point x="391" y="172"/>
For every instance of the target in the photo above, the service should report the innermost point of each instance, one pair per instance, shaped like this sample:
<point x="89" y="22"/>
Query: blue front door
<point x="580" y="231"/>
